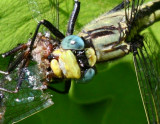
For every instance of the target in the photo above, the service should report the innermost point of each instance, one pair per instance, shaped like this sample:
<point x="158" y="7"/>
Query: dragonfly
<point x="109" y="37"/>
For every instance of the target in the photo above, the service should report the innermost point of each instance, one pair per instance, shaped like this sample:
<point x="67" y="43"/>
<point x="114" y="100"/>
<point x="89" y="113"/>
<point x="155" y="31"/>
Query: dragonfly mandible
<point x="111" y="36"/>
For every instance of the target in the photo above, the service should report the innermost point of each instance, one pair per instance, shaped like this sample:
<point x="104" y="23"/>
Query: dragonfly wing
<point x="28" y="101"/>
<point x="55" y="11"/>
<point x="119" y="7"/>
<point x="131" y="10"/>
<point x="147" y="66"/>
<point x="45" y="9"/>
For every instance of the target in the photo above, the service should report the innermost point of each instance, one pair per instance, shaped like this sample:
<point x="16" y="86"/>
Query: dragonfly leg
<point x="14" y="64"/>
<point x="66" y="88"/>
<point x="20" y="58"/>
<point x="24" y="63"/>
<point x="48" y="25"/>
<point x="20" y="78"/>
<point x="14" y="50"/>
<point x="73" y="17"/>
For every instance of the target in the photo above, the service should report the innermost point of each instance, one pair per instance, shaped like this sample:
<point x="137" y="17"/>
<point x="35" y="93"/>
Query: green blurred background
<point x="111" y="98"/>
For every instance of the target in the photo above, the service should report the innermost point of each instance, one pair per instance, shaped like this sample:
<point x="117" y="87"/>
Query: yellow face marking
<point x="55" y="68"/>
<point x="90" y="54"/>
<point x="68" y="63"/>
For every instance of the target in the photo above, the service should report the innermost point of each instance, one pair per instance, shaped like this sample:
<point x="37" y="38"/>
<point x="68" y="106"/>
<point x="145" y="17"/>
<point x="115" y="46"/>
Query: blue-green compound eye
<point x="72" y="42"/>
<point x="89" y="74"/>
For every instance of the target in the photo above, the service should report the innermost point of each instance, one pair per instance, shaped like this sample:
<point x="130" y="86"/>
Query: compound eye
<point x="88" y="75"/>
<point x="72" y="42"/>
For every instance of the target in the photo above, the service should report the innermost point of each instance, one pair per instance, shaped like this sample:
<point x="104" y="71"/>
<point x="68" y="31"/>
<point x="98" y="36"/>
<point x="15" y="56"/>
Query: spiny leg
<point x="73" y="17"/>
<point x="48" y="25"/>
<point x="24" y="63"/>
<point x="119" y="7"/>
<point x="22" y="56"/>
<point x="14" y="50"/>
<point x="21" y="74"/>
<point x="14" y="64"/>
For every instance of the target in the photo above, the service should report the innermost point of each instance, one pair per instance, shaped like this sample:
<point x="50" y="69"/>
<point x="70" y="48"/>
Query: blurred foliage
<point x="111" y="98"/>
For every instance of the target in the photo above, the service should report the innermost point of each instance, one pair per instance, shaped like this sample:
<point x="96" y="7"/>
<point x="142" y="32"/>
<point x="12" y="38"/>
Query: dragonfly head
<point x="73" y="60"/>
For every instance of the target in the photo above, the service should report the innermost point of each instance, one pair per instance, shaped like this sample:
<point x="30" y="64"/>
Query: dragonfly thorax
<point x="108" y="34"/>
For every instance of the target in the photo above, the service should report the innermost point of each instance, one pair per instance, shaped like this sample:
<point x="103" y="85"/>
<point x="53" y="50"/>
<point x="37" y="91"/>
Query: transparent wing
<point x="28" y="101"/>
<point x="50" y="10"/>
<point x="131" y="10"/>
<point x="120" y="6"/>
<point x="45" y="9"/>
<point x="147" y="66"/>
